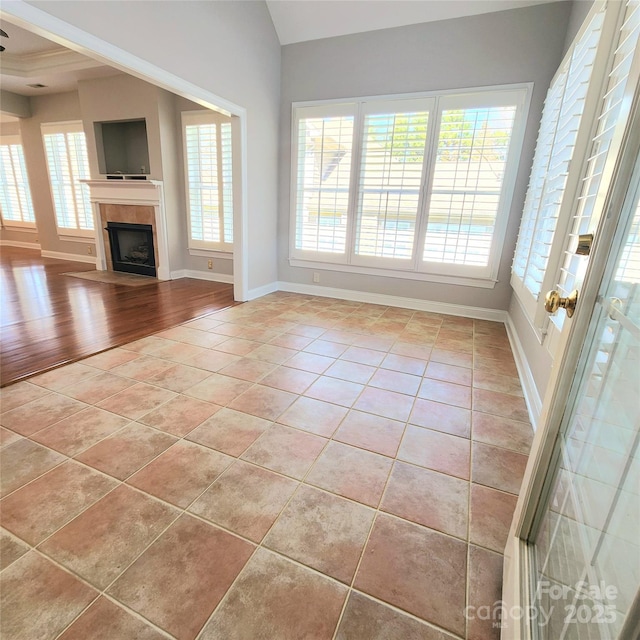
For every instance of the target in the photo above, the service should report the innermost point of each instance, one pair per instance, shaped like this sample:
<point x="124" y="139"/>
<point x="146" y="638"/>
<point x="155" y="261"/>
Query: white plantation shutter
<point x="68" y="163"/>
<point x="227" y="181"/>
<point x="420" y="184"/>
<point x="391" y="175"/>
<point x="587" y="213"/>
<point x="556" y="144"/>
<point x="544" y="145"/>
<point x="208" y="162"/>
<point x="323" y="143"/>
<point x="15" y="196"/>
<point x="468" y="184"/>
<point x="202" y="169"/>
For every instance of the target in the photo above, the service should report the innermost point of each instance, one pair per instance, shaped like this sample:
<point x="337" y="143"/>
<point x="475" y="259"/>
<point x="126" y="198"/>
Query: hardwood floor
<point x="48" y="319"/>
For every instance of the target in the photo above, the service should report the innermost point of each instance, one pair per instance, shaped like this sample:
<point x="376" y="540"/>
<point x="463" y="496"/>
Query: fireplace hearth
<point x="132" y="248"/>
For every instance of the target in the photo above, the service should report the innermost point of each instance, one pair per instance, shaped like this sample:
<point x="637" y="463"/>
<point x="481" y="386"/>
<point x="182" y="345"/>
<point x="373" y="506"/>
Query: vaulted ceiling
<point x="30" y="59"/>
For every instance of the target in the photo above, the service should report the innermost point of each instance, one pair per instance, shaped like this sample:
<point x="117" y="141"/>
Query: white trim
<point x="15" y="225"/>
<point x="479" y="313"/>
<point x="74" y="257"/>
<point x="531" y="394"/>
<point x="266" y="289"/>
<point x="485" y="283"/>
<point x="211" y="253"/>
<point x="44" y="24"/>
<point x="18" y="243"/>
<point x="73" y="238"/>
<point x="415" y="94"/>
<point x="202" y="275"/>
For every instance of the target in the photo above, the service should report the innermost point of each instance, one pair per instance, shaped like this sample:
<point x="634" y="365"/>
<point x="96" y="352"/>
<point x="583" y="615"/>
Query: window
<point x="414" y="187"/>
<point x="208" y="166"/>
<point x="15" y="196"/>
<point x="68" y="164"/>
<point x="575" y="140"/>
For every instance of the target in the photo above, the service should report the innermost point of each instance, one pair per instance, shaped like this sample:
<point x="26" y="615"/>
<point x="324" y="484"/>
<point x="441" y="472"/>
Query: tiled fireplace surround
<point x="134" y="202"/>
<point x="131" y="214"/>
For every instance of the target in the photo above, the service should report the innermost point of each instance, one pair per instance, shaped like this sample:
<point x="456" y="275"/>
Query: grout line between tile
<point x="241" y="319"/>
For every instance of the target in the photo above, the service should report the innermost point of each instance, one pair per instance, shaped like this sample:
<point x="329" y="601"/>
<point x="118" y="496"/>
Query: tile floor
<point x="293" y="467"/>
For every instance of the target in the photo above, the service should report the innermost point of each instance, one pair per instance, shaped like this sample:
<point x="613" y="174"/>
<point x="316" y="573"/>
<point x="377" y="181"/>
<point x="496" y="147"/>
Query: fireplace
<point x="130" y="201"/>
<point x="132" y="248"/>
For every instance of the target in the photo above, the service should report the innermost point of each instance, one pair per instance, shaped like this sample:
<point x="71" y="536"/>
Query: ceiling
<point x="302" y="20"/>
<point x="31" y="59"/>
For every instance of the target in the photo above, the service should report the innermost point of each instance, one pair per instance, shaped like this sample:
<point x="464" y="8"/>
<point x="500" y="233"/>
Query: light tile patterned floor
<point x="293" y="467"/>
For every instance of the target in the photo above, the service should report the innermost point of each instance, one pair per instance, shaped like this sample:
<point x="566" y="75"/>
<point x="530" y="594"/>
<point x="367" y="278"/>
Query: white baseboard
<point x="22" y="245"/>
<point x="202" y="275"/>
<point x="531" y="395"/>
<point x="479" y="313"/>
<point x="74" y="257"/>
<point x="266" y="289"/>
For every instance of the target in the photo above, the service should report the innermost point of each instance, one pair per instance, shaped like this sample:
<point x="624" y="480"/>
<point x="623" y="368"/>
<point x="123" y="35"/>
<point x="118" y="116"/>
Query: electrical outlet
<point x="90" y="250"/>
<point x="316" y="276"/>
<point x="210" y="264"/>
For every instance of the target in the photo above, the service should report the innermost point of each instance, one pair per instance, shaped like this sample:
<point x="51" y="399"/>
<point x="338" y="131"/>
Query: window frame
<point x="415" y="268"/>
<point x="75" y="234"/>
<point x="19" y="225"/>
<point x="223" y="250"/>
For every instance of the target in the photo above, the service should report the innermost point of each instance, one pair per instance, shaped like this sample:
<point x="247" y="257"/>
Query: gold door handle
<point x="553" y="301"/>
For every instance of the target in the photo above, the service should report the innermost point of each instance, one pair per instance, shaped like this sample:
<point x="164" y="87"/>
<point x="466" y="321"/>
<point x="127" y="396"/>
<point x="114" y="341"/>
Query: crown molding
<point x="45" y="62"/>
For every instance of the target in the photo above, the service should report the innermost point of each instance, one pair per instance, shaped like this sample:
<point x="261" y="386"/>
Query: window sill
<point x="18" y="226"/>
<point x="211" y="253"/>
<point x="483" y="283"/>
<point x="71" y="237"/>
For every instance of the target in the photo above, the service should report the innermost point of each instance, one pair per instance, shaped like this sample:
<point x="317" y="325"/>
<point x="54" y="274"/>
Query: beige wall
<point x="121" y="97"/>
<point x="58" y="107"/>
<point x="118" y="97"/>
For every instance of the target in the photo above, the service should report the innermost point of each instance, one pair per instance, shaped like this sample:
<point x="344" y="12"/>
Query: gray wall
<point x="229" y="48"/>
<point x="579" y="11"/>
<point x="521" y="45"/>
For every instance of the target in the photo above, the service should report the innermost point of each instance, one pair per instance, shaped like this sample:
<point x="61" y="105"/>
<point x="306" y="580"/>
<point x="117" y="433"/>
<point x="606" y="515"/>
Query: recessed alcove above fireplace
<point x="134" y="203"/>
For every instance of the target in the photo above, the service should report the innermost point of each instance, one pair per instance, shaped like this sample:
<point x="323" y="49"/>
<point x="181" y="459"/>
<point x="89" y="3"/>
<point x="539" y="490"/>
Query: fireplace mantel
<point x="131" y="192"/>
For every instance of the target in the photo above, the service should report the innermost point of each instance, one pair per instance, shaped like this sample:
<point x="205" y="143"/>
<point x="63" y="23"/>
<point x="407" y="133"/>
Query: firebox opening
<point x="132" y="248"/>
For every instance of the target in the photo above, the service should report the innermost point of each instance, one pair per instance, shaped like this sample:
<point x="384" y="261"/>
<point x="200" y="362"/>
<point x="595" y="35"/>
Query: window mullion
<point x="354" y="182"/>
<point x="433" y="135"/>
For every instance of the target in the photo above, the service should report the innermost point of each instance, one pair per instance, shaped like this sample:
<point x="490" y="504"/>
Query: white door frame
<point x="517" y="573"/>
<point x="44" y="24"/>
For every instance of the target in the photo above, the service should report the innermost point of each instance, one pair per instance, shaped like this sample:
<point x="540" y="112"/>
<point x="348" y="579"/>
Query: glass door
<point x="585" y="556"/>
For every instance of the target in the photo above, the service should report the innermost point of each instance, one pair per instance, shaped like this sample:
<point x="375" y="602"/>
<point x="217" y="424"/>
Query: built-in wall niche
<point x="123" y="149"/>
